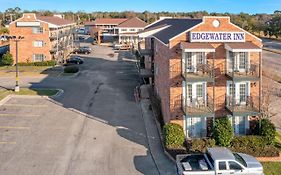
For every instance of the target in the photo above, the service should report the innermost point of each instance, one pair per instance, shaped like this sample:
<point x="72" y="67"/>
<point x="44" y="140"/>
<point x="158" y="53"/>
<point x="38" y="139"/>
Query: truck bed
<point x="194" y="162"/>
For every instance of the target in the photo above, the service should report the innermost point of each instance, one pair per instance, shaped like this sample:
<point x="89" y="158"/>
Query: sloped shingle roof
<point x="55" y="20"/>
<point x="176" y="27"/>
<point x="115" y="21"/>
<point x="133" y="22"/>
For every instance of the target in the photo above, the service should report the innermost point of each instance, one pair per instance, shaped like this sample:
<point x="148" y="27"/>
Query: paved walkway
<point x="163" y="163"/>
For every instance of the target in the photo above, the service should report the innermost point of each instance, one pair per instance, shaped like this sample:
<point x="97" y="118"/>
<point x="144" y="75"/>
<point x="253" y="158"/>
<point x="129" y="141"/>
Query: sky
<point x="232" y="6"/>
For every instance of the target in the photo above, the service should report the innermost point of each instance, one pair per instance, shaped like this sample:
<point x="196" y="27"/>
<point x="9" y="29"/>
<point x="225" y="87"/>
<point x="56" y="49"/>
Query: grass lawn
<point x="272" y="168"/>
<point x="26" y="91"/>
<point x="28" y="70"/>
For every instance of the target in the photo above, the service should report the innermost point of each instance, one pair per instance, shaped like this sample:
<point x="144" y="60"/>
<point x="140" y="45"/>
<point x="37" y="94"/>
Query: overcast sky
<point x="232" y="6"/>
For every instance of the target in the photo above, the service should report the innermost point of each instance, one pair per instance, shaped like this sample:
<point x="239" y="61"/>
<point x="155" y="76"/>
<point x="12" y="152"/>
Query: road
<point x="111" y="136"/>
<point x="272" y="44"/>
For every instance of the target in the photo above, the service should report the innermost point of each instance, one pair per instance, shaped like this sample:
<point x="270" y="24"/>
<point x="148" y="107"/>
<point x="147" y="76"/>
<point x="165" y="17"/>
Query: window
<point x="132" y="30"/>
<point x="199" y="90"/>
<point x="222" y="166"/>
<point x="38" y="57"/>
<point x="188" y="57"/>
<point x="139" y="30"/>
<point x="239" y="159"/>
<point x="37" y="30"/>
<point x="234" y="166"/>
<point x="38" y="43"/>
<point x="123" y="30"/>
<point x="200" y="57"/>
<point x="242" y="89"/>
<point x="231" y="89"/>
<point x="242" y="60"/>
<point x="189" y="89"/>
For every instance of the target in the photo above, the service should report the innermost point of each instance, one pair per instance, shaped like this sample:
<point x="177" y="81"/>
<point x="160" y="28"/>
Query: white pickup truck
<point x="218" y="161"/>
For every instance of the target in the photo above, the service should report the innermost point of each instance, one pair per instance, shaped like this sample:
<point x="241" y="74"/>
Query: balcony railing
<point x="248" y="105"/>
<point x="60" y="34"/>
<point x="200" y="106"/>
<point x="200" y="72"/>
<point x="246" y="72"/>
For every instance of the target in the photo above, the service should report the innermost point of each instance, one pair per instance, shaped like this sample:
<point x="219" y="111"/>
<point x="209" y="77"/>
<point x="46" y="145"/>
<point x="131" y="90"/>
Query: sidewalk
<point x="163" y="163"/>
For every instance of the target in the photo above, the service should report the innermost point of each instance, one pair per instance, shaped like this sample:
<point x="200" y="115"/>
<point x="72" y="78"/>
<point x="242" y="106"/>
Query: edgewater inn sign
<point x="217" y="36"/>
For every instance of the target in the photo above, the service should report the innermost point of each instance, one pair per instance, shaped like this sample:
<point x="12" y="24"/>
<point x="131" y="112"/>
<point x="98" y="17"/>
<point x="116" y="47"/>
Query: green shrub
<point x="71" y="69"/>
<point x="250" y="141"/>
<point x="42" y="63"/>
<point x="268" y="131"/>
<point x="223" y="132"/>
<point x="253" y="145"/>
<point x="200" y="145"/>
<point x="173" y="135"/>
<point x="7" y="59"/>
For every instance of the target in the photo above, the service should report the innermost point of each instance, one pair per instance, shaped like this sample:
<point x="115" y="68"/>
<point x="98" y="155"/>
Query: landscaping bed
<point x="28" y="91"/>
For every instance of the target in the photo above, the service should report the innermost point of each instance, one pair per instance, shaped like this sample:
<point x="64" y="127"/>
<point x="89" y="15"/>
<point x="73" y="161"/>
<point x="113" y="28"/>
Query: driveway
<point x="99" y="128"/>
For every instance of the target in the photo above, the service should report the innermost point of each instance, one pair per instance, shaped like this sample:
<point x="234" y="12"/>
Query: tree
<point x="7" y="59"/>
<point x="223" y="132"/>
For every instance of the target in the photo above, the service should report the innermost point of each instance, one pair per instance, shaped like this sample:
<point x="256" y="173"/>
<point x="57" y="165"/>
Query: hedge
<point x="42" y="63"/>
<point x="268" y="131"/>
<point x="200" y="145"/>
<point x="223" y="132"/>
<point x="71" y="69"/>
<point x="253" y="145"/>
<point x="173" y="135"/>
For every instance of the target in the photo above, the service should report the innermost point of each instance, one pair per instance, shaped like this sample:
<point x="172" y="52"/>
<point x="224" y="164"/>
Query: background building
<point x="45" y="37"/>
<point x="204" y="69"/>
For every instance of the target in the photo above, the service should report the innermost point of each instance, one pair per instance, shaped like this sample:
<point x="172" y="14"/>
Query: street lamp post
<point x="16" y="40"/>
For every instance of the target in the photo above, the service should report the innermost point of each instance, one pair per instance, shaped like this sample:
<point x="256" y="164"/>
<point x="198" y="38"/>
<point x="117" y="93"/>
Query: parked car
<point x="87" y="48"/>
<point x="122" y="47"/>
<point x="75" y="60"/>
<point x="82" y="51"/>
<point x="218" y="161"/>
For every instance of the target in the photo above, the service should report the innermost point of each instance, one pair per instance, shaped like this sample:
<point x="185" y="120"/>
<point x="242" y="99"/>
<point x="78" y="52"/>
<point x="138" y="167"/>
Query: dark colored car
<point x="75" y="60"/>
<point x="86" y="48"/>
<point x="82" y="51"/>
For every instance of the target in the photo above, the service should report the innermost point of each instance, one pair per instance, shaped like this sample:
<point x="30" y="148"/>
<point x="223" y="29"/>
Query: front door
<point x="196" y="127"/>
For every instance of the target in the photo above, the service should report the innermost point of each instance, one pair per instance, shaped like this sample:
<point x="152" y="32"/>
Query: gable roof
<point x="134" y="22"/>
<point x="175" y="27"/>
<point x="113" y="21"/>
<point x="55" y="20"/>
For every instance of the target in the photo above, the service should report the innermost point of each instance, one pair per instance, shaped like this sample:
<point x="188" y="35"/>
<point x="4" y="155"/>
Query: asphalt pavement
<point x="107" y="133"/>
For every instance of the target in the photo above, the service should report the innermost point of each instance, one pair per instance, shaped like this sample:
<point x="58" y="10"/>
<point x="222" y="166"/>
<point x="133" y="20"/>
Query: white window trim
<point x="35" y="43"/>
<point x="189" y="123"/>
<point x="193" y="61"/>
<point x="236" y="61"/>
<point x="234" y="124"/>
<point x="237" y="89"/>
<point x="194" y="92"/>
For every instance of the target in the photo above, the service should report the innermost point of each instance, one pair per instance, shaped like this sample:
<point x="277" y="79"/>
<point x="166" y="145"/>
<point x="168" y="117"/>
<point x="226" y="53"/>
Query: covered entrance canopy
<point x="197" y="47"/>
<point x="242" y="47"/>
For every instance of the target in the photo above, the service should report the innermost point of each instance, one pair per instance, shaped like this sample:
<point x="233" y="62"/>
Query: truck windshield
<point x="239" y="159"/>
<point x="210" y="159"/>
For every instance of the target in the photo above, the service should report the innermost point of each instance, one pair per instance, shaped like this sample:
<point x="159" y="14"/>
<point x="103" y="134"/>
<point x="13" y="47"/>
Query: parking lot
<point x="84" y="131"/>
<point x="36" y="136"/>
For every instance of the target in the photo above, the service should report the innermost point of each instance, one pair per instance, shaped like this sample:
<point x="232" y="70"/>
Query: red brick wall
<point x="169" y="60"/>
<point x="25" y="47"/>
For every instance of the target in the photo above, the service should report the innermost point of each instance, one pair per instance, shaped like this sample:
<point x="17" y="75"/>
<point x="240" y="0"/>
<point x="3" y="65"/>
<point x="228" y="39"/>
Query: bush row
<point x="173" y="136"/>
<point x="200" y="145"/>
<point x="71" y="69"/>
<point x="43" y="63"/>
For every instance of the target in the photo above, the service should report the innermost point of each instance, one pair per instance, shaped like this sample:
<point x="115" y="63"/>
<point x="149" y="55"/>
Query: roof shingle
<point x="133" y="22"/>
<point x="176" y="27"/>
<point x="55" y="20"/>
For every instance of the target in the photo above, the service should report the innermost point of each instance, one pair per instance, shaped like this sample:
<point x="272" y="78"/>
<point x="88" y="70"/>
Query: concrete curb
<point x="272" y="50"/>
<point x="8" y="97"/>
<point x="160" y="134"/>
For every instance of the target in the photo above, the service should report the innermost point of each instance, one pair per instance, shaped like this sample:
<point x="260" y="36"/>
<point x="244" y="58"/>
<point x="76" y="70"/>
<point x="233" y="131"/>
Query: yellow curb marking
<point x="22" y="105"/>
<point x="11" y="143"/>
<point x="14" y="127"/>
<point x="18" y="115"/>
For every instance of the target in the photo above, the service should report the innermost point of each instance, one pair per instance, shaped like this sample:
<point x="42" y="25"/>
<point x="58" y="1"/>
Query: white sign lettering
<point x="217" y="36"/>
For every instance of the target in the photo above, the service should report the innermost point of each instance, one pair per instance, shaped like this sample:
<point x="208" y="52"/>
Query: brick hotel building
<point x="204" y="69"/>
<point x="45" y="37"/>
